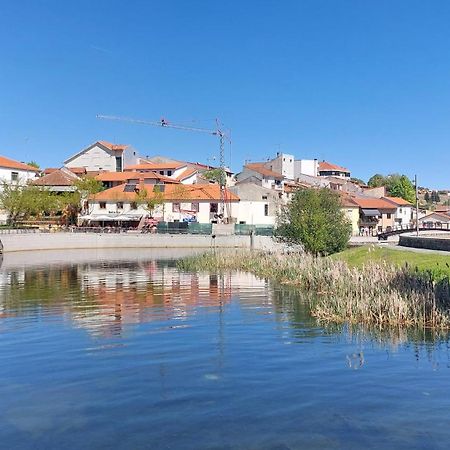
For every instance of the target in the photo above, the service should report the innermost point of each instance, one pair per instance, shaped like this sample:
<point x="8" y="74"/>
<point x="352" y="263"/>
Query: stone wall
<point x="61" y="241"/>
<point x="431" y="243"/>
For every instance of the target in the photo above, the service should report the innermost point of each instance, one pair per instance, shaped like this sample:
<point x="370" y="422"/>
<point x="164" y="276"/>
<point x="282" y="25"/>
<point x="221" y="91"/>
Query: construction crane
<point x="216" y="132"/>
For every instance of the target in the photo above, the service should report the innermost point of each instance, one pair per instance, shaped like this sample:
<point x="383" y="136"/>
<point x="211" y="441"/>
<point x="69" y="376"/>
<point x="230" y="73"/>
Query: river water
<point x="120" y="350"/>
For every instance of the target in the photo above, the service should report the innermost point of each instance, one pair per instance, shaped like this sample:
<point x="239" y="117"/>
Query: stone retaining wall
<point x="431" y="243"/>
<point x="61" y="241"/>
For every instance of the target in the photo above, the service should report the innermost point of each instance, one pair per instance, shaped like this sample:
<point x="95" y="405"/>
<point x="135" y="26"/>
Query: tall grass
<point x="377" y="293"/>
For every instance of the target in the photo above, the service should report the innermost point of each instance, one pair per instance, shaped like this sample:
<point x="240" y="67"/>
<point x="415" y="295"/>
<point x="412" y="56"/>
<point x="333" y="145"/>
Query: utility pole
<point x="417" y="205"/>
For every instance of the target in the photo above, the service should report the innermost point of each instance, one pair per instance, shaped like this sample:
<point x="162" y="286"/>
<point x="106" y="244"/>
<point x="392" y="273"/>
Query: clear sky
<point x="364" y="84"/>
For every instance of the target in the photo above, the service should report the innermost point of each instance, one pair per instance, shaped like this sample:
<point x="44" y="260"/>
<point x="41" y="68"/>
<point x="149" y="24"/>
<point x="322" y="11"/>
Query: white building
<point x="102" y="156"/>
<point x="257" y="205"/>
<point x="306" y="167"/>
<point x="258" y="173"/>
<point x="283" y="164"/>
<point x="17" y="173"/>
<point x="404" y="212"/>
<point x="198" y="203"/>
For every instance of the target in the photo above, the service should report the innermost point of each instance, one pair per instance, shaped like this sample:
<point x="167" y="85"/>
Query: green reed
<point x="380" y="294"/>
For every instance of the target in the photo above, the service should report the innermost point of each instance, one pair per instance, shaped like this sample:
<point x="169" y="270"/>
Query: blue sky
<point x="362" y="84"/>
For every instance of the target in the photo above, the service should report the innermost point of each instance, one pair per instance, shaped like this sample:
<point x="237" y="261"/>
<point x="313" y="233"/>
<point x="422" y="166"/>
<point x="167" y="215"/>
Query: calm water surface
<point x="123" y="351"/>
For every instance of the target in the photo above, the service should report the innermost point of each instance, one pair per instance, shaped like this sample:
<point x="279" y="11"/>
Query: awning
<point x="102" y="217"/>
<point x="371" y="212"/>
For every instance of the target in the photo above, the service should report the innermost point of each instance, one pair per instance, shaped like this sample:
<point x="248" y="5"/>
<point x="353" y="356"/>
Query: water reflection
<point x="131" y="353"/>
<point x="103" y="297"/>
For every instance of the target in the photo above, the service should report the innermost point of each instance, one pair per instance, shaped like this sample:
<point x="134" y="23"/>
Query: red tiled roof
<point x="12" y="164"/>
<point x="398" y="201"/>
<point x="124" y="176"/>
<point x="373" y="203"/>
<point x="111" y="146"/>
<point x="59" y="177"/>
<point x="201" y="192"/>
<point x="347" y="201"/>
<point x="326" y="166"/>
<point x="263" y="170"/>
<point x="187" y="173"/>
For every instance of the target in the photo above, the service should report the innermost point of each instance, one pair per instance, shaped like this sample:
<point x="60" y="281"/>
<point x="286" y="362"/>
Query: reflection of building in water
<point x="102" y="297"/>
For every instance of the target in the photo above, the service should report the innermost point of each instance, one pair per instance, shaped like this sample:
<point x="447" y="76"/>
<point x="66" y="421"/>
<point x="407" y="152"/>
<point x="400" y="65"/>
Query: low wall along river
<point x="61" y="241"/>
<point x="429" y="242"/>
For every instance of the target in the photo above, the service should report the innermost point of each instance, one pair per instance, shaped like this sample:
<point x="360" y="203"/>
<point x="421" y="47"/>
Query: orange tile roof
<point x="111" y="146"/>
<point x="189" y="192"/>
<point x="398" y="201"/>
<point x="50" y="170"/>
<point x="347" y="201"/>
<point x="263" y="170"/>
<point x="187" y="173"/>
<point x="12" y="164"/>
<point x="124" y="176"/>
<point x="325" y="166"/>
<point x="372" y="203"/>
<point x="58" y="177"/>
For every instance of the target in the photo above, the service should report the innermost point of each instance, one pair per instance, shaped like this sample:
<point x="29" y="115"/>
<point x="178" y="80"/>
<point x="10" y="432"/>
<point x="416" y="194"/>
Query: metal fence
<point x="257" y="230"/>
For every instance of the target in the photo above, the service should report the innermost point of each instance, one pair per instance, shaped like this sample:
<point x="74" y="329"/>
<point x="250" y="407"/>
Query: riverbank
<point x="375" y="293"/>
<point x="64" y="241"/>
<point x="423" y="260"/>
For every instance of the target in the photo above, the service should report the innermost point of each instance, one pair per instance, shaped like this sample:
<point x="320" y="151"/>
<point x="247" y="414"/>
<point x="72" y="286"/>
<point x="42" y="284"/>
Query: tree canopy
<point x="396" y="185"/>
<point x="314" y="219"/>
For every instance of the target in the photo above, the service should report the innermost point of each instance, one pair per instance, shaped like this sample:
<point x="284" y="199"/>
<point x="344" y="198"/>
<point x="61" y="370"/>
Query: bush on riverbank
<point x="377" y="293"/>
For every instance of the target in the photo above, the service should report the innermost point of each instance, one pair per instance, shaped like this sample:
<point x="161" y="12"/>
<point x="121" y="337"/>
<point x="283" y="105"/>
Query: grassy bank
<point x="435" y="263"/>
<point x="375" y="293"/>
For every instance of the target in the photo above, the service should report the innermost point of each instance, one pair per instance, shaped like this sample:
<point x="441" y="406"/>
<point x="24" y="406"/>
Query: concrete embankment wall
<point x="431" y="243"/>
<point x="61" y="241"/>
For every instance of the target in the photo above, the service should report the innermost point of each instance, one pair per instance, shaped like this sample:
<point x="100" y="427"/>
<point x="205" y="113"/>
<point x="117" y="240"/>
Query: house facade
<point x="327" y="169"/>
<point x="404" y="211"/>
<point x="258" y="173"/>
<point x="16" y="172"/>
<point x="193" y="203"/>
<point x="103" y="156"/>
<point x="257" y="205"/>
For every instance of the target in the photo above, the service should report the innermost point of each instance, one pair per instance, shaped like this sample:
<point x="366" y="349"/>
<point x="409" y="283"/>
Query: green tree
<point x="358" y="181"/>
<point x="152" y="201"/>
<point x="34" y="164"/>
<point x="377" y="180"/>
<point x="217" y="175"/>
<point x="401" y="186"/>
<point x="314" y="219"/>
<point x="88" y="186"/>
<point x="23" y="202"/>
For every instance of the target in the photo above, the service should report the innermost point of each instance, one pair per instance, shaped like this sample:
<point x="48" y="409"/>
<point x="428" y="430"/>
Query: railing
<point x="407" y="228"/>
<point x="19" y="230"/>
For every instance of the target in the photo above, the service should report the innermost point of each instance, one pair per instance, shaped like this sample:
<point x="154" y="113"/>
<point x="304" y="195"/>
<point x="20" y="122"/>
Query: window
<point x="213" y="207"/>
<point x="133" y="205"/>
<point x="119" y="205"/>
<point x="118" y="164"/>
<point x="175" y="207"/>
<point x="195" y="207"/>
<point x="161" y="172"/>
<point x="388" y="215"/>
<point x="169" y="173"/>
<point x="400" y="210"/>
<point x="14" y="176"/>
<point x="264" y="197"/>
<point x="266" y="209"/>
<point x="102" y="205"/>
